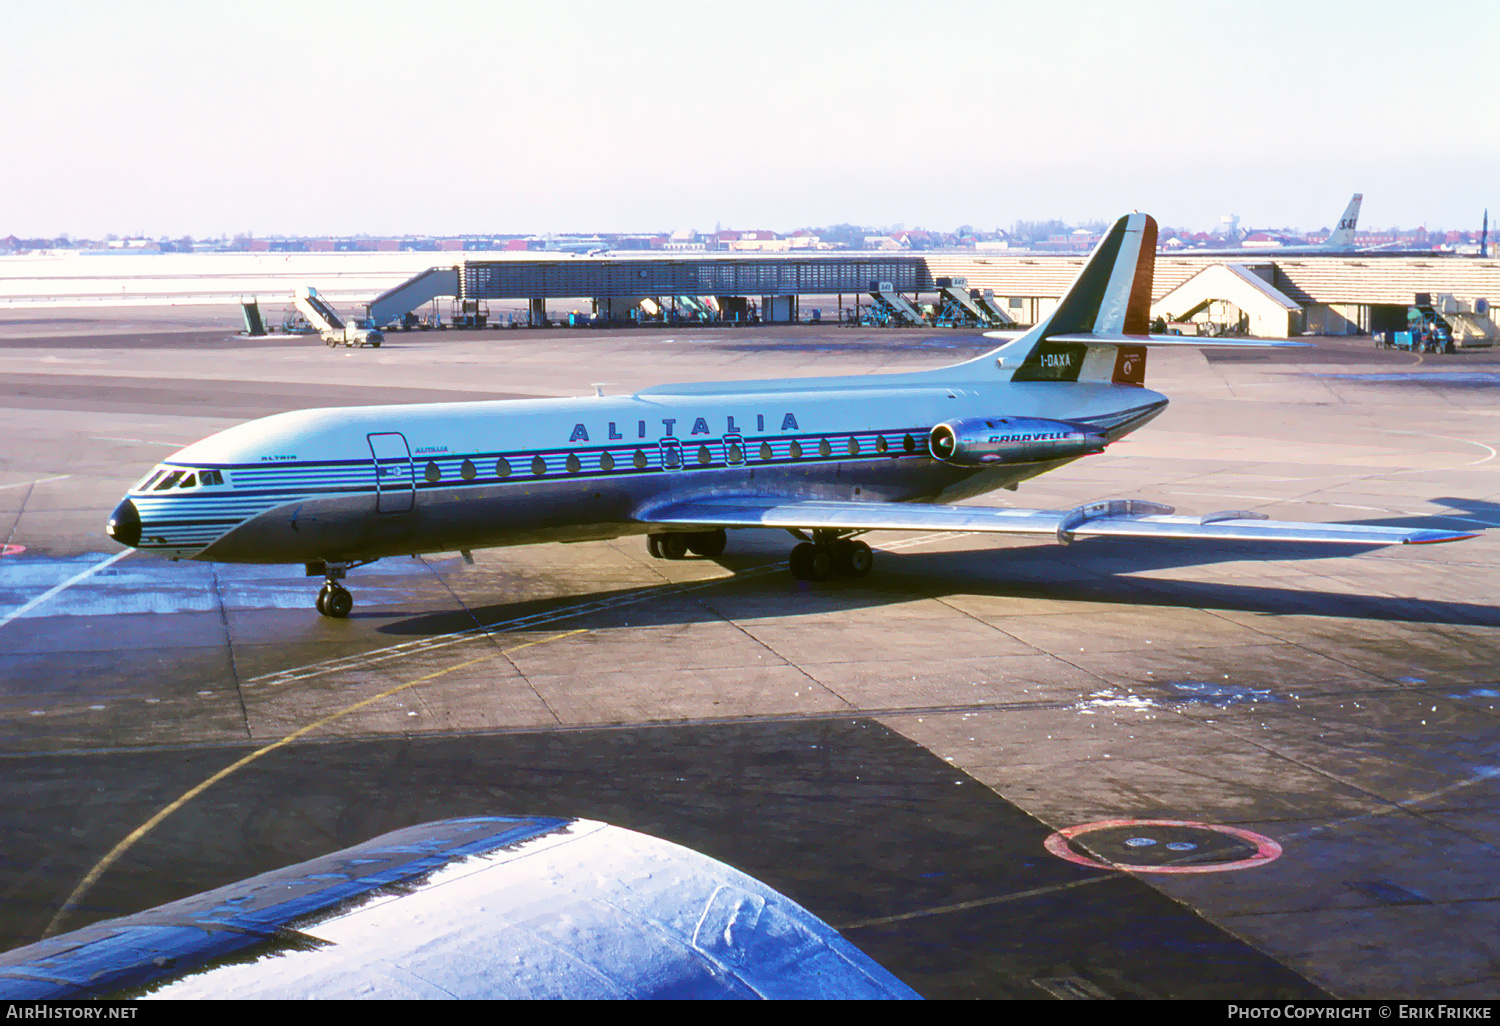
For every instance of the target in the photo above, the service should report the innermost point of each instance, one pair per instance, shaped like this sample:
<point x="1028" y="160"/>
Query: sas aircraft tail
<point x="1343" y="235"/>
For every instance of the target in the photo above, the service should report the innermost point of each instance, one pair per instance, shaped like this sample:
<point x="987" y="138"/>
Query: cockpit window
<point x="147" y="481"/>
<point x="211" y="477"/>
<point x="188" y="482"/>
<point x="168" y="481"/>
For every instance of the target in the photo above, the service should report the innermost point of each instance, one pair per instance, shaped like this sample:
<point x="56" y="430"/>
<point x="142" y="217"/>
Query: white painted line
<point x="1452" y="438"/>
<point x="139" y="441"/>
<point x="45" y="480"/>
<point x="63" y="586"/>
<point x="1487" y="773"/>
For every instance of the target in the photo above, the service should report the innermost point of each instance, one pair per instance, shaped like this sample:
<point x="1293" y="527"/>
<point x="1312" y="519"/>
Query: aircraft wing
<point x="1110" y="518"/>
<point x="482" y="907"/>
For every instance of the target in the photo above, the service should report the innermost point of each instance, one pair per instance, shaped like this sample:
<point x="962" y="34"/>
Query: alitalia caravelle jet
<point x="825" y="458"/>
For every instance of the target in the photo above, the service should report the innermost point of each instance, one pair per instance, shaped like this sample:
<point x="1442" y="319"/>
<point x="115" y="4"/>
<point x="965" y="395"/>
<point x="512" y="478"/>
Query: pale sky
<point x="451" y="116"/>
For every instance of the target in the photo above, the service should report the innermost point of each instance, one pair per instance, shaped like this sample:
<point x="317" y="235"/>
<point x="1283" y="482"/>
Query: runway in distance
<point x="826" y="458"/>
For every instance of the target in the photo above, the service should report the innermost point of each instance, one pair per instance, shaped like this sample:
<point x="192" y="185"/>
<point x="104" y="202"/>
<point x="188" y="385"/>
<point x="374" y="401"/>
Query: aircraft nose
<point x="125" y="524"/>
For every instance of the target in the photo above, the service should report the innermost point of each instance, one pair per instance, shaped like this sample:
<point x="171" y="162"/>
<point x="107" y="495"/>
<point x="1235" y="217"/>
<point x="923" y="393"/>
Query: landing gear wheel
<point x="672" y="546"/>
<point x="338" y="603"/>
<point x="323" y="600"/>
<point x="653" y="546"/>
<point x="853" y="558"/>
<point x="801" y="559"/>
<point x="709" y="544"/>
<point x="811" y="562"/>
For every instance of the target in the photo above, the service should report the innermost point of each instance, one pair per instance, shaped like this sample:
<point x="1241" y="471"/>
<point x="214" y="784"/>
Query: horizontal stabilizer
<point x="1113" y="518"/>
<point x="1116" y="338"/>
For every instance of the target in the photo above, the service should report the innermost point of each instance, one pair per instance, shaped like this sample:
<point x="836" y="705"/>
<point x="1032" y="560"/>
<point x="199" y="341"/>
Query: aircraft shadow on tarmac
<point x="1093" y="571"/>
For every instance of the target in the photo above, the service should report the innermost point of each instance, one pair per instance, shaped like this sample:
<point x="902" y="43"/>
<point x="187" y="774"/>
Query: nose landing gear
<point x="828" y="554"/>
<point x="333" y="598"/>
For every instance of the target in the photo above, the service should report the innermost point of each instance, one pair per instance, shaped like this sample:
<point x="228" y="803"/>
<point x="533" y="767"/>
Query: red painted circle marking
<point x="12" y="550"/>
<point x="1266" y="850"/>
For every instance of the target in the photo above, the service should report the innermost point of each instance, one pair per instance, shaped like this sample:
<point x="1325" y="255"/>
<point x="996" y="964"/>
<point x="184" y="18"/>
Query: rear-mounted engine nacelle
<point x="982" y="441"/>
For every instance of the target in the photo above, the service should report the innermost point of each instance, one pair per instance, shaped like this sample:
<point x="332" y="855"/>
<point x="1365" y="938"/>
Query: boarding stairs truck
<point x="333" y="329"/>
<point x="697" y="308"/>
<point x="987" y="302"/>
<point x="959" y="309"/>
<point x="891" y="306"/>
<point x="1469" y="321"/>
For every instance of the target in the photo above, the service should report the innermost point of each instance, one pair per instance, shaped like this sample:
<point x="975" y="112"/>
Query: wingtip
<point x="1438" y="537"/>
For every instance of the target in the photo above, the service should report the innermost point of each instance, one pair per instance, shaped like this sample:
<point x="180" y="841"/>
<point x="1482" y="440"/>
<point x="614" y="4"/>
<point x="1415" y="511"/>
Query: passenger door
<point x="395" y="479"/>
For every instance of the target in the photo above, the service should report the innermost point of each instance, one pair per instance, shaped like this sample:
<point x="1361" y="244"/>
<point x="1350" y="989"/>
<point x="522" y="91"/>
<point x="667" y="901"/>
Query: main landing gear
<point x="708" y="544"/>
<point x="827" y="554"/>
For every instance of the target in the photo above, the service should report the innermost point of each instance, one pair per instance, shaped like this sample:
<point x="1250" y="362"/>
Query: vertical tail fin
<point x="1113" y="291"/>
<point x="1110" y="297"/>
<point x="1343" y="235"/>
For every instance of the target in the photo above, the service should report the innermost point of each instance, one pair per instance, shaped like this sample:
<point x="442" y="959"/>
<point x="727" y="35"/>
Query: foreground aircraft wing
<point x="484" y="907"/>
<point x="1110" y="518"/>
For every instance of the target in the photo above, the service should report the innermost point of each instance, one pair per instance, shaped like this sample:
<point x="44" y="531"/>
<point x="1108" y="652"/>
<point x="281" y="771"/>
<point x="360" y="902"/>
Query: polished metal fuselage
<point x="323" y="485"/>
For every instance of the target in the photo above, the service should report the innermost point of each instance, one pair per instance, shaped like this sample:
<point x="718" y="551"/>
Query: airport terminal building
<point x="1266" y="295"/>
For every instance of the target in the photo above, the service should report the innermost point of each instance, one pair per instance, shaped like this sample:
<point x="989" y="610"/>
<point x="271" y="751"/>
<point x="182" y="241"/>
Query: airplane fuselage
<point x="353" y="484"/>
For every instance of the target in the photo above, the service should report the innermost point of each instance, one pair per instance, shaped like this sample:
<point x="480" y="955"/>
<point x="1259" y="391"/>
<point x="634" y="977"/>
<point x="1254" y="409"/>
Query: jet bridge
<point x="392" y="305"/>
<point x="891" y="306"/>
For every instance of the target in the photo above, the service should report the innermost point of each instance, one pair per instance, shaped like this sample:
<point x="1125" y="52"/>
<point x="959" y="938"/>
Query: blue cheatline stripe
<point x="281" y="483"/>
